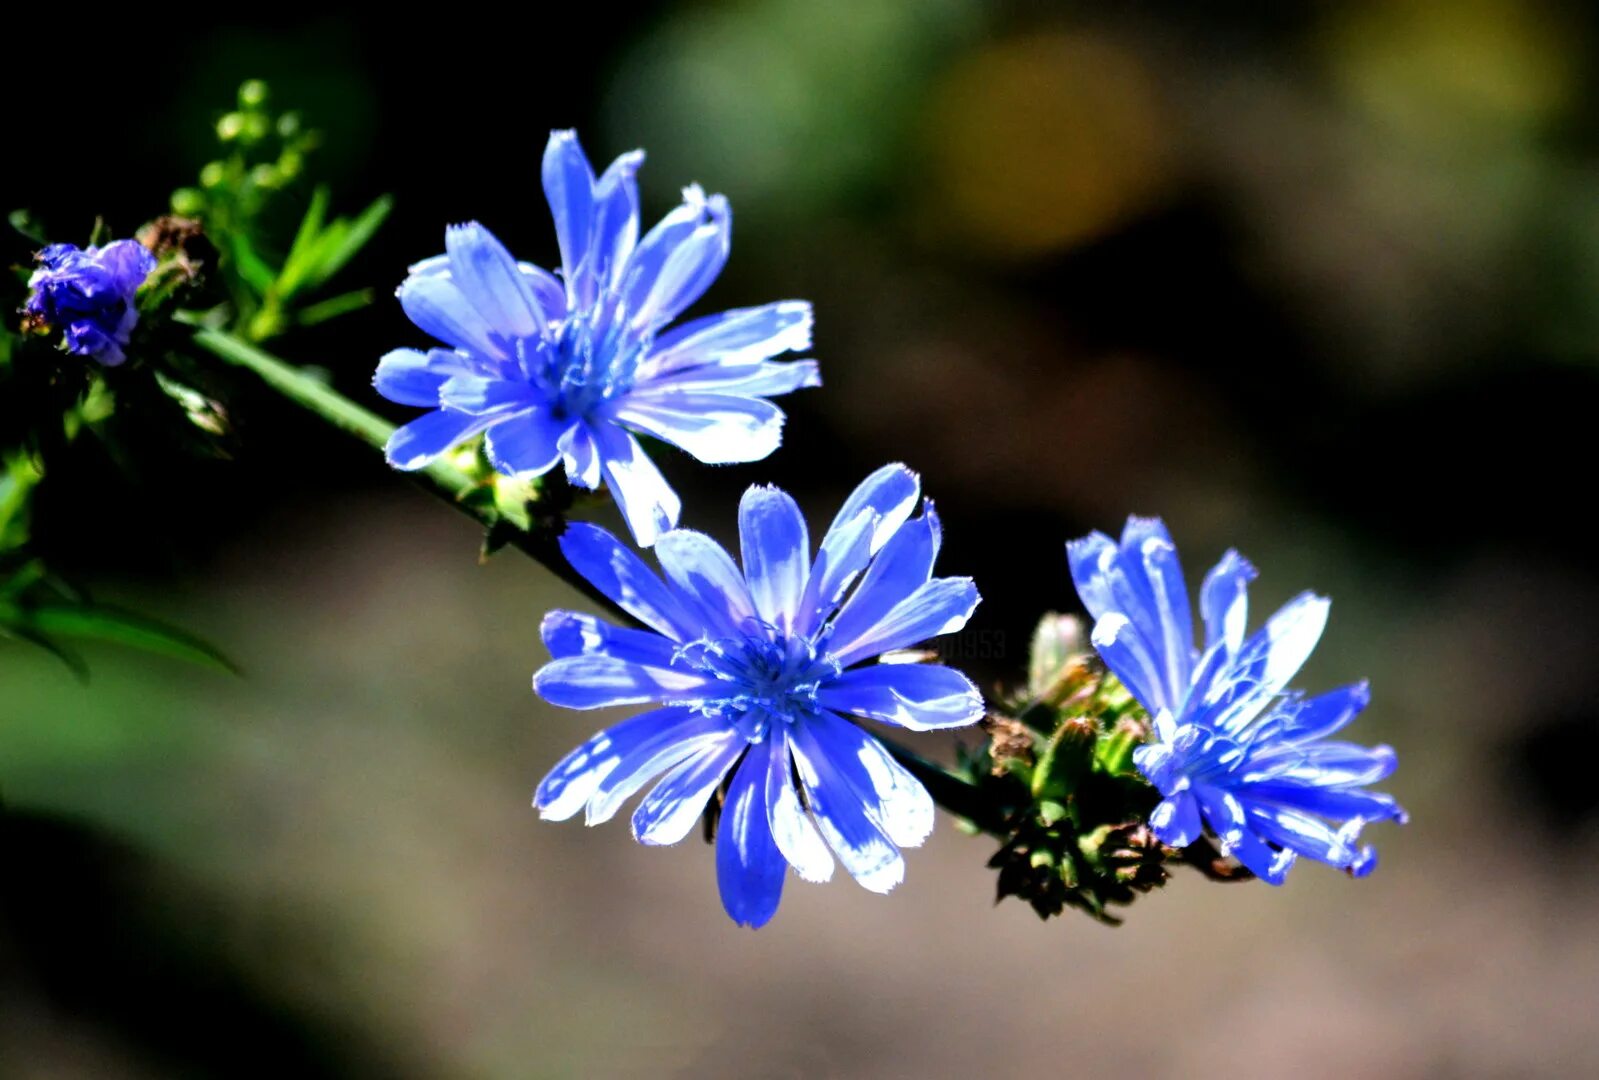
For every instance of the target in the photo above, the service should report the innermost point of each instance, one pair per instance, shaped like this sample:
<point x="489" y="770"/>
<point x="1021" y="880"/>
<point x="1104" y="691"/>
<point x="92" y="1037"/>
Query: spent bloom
<point x="88" y="294"/>
<point x="570" y="370"/>
<point x="755" y="673"/>
<point x="1233" y="749"/>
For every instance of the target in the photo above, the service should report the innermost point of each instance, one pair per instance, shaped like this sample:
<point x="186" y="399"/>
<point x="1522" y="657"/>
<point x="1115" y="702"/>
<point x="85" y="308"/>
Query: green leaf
<point x="344" y="238"/>
<point x="74" y="662"/>
<point x="301" y="260"/>
<point x="100" y="623"/>
<point x="335" y="306"/>
<point x="252" y="269"/>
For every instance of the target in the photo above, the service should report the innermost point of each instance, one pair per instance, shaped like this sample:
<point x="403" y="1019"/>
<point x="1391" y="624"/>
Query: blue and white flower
<point x="756" y="673"/>
<point x="571" y="370"/>
<point x="1233" y="749"/>
<point x="88" y="293"/>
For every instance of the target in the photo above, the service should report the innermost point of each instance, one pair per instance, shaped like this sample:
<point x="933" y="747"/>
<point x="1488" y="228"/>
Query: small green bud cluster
<point x="262" y="153"/>
<point x="1060" y="757"/>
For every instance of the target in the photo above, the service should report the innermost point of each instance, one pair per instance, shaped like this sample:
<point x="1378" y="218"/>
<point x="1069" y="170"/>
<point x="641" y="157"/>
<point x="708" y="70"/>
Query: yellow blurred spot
<point x="1445" y="68"/>
<point x="1042" y="142"/>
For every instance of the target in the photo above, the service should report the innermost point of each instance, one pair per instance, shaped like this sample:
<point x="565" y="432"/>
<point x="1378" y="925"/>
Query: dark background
<point x="1321" y="285"/>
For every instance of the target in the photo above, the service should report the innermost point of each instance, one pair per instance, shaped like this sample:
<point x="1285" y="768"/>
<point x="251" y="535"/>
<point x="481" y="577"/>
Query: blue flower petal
<point x="776" y="549"/>
<point x="942" y="606"/>
<point x="647" y="501"/>
<point x="575" y="633"/>
<point x="1272" y="655"/>
<point x="919" y="697"/>
<point x="1338" y="803"/>
<point x="858" y="841"/>
<point x="665" y="750"/>
<point x="733" y="339"/>
<point x="624" y="578"/>
<point x="127" y="263"/>
<point x="1128" y="655"/>
<point x="569" y="188"/>
<point x="1153" y="568"/>
<point x="1304" y="834"/>
<point x="1364" y="862"/>
<point x="1224" y="601"/>
<point x="792" y="829"/>
<point x="580" y="456"/>
<point x="526" y="444"/>
<point x="1176" y="820"/>
<point x="749" y="866"/>
<point x="769" y="378"/>
<point x="573" y="781"/>
<point x="431" y="434"/>
<point x="891" y="493"/>
<point x="1230" y="822"/>
<point x="491" y="280"/>
<point x="438" y="307"/>
<point x="1328" y="764"/>
<point x="593" y="681"/>
<point x="717" y="429"/>
<point x="895" y="799"/>
<point x="873" y="512"/>
<point x="669" y="811"/>
<point x="1087" y="558"/>
<point x="904" y="565"/>
<point x="709" y="582"/>
<point x="615" y="228"/>
<point x="846" y="551"/>
<point x="1325" y="714"/>
<point x="413" y="377"/>
<point x="547" y="290"/>
<point x="487" y="395"/>
<point x="677" y="261"/>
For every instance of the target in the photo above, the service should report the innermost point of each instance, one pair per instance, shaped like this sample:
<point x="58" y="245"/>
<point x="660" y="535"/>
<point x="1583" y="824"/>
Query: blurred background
<point x="1320" y="283"/>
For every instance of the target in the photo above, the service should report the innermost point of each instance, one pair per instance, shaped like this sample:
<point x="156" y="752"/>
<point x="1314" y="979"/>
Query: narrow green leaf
<point x="252" y="269"/>
<point x="345" y="238"/>
<point x="302" y="255"/>
<point x="118" y="627"/>
<point x="74" y="662"/>
<point x="335" y="306"/>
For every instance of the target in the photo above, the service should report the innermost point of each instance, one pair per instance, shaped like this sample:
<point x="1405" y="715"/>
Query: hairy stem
<point x="953" y="792"/>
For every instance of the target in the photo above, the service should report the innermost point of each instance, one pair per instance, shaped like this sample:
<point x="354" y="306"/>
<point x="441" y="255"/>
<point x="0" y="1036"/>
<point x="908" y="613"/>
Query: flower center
<point x="593" y="358"/>
<point x="761" y="678"/>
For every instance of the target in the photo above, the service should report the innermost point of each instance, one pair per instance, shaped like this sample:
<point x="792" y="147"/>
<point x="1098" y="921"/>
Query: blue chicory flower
<point x="1232" y="749"/>
<point x="754" y="672"/>
<point x="88" y="294"/>
<point x="570" y="370"/>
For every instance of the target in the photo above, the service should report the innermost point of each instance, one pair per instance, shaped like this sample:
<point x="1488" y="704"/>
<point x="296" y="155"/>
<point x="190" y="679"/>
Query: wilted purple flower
<point x="88" y="295"/>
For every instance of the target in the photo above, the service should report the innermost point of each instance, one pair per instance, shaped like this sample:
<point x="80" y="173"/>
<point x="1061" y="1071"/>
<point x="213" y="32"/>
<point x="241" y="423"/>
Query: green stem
<point x="954" y="793"/>
<point x="441" y="477"/>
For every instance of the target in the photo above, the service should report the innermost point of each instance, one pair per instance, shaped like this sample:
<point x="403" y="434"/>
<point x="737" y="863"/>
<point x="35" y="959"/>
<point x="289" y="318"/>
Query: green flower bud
<point x="213" y="174"/>
<point x="188" y="201"/>
<point x="252" y="94"/>
<point x="230" y="127"/>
